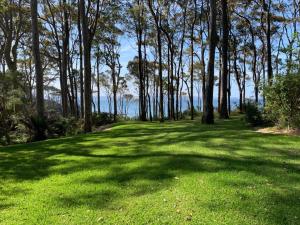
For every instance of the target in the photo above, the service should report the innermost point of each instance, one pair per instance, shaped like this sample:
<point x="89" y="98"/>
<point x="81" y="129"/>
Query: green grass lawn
<point x="152" y="173"/>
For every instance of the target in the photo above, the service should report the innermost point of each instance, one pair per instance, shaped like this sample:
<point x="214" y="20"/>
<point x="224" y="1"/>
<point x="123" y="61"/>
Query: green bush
<point x="36" y="128"/>
<point x="60" y="126"/>
<point x="283" y="100"/>
<point x="7" y="124"/>
<point x="253" y="114"/>
<point x="186" y="114"/>
<point x="102" y="119"/>
<point x="56" y="126"/>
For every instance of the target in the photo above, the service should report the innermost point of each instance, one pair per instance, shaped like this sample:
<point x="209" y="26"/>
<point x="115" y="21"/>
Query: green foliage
<point x="187" y="113"/>
<point x="253" y="114"/>
<point x="12" y="108"/>
<point x="6" y="124"/>
<point x="60" y="126"/>
<point x="102" y="119"/>
<point x="52" y="127"/>
<point x="36" y="128"/>
<point x="283" y="100"/>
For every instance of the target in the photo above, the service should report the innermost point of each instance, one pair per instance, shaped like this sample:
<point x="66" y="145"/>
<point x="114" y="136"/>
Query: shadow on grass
<point x="235" y="148"/>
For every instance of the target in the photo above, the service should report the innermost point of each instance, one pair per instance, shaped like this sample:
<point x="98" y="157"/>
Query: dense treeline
<point x="57" y="57"/>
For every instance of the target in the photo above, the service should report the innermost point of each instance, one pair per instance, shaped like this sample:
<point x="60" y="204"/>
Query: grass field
<point x="152" y="173"/>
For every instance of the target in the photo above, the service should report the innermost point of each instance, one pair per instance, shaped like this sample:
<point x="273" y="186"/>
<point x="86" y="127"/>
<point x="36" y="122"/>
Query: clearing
<point x="151" y="173"/>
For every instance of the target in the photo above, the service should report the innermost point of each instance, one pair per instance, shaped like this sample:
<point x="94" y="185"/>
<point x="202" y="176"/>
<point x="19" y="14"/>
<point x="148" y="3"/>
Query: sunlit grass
<point x="152" y="173"/>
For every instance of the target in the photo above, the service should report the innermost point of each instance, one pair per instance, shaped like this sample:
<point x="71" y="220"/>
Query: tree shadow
<point x="138" y="157"/>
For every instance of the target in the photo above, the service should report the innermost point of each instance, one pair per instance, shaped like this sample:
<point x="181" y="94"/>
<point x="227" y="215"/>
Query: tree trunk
<point x="161" y="92"/>
<point x="172" y="81"/>
<point x="141" y="73"/>
<point x="115" y="88"/>
<point x="208" y="114"/>
<point x="229" y="85"/>
<point x="192" y="73"/>
<point x="40" y="135"/>
<point x="203" y="77"/>
<point x="87" y="70"/>
<point x="98" y="85"/>
<point x="168" y="84"/>
<point x="225" y="25"/>
<point x="267" y="10"/>
<point x="180" y="64"/>
<point x="64" y="85"/>
<point x="159" y="47"/>
<point x="80" y="63"/>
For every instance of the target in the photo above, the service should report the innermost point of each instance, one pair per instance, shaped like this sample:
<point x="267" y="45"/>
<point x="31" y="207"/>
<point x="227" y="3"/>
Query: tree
<point x="225" y="28"/>
<point x="267" y="11"/>
<point x="192" y="58"/>
<point x="137" y="15"/>
<point x="38" y="70"/>
<point x="157" y="19"/>
<point x="208" y="112"/>
<point x="64" y="75"/>
<point x="88" y="32"/>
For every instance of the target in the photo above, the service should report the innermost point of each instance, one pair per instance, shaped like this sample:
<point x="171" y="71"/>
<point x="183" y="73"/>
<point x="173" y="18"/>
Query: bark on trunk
<point x="40" y="135"/>
<point x="208" y="114"/>
<point x="223" y="102"/>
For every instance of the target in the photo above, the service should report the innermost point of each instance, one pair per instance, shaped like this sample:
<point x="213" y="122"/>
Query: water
<point x="132" y="109"/>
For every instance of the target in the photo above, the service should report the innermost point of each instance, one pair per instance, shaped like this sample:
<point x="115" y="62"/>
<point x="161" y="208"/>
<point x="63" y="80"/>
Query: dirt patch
<point x="103" y="128"/>
<point x="276" y="130"/>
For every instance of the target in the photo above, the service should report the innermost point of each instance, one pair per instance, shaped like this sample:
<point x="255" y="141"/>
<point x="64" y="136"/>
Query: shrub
<point x="253" y="114"/>
<point x="102" y="119"/>
<point x="60" y="126"/>
<point x="6" y="124"/>
<point x="283" y="100"/>
<point x="187" y="113"/>
<point x="52" y="127"/>
<point x="36" y="128"/>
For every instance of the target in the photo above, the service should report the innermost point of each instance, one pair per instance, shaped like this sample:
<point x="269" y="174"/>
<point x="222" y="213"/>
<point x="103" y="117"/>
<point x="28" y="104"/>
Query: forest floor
<point x="151" y="173"/>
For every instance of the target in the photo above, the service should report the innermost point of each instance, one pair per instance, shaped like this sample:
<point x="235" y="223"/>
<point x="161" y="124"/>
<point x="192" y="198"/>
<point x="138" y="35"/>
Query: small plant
<point x="187" y="113"/>
<point x="59" y="126"/>
<point x="36" y="127"/>
<point x="102" y="119"/>
<point x="253" y="114"/>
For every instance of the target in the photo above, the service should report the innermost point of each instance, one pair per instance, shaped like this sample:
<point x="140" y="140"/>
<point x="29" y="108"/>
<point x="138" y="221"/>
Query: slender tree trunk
<point x="168" y="84"/>
<point x="203" y="77"/>
<point x="267" y="11"/>
<point x="80" y="63"/>
<point x="224" y="86"/>
<point x="115" y="88"/>
<point x="87" y="68"/>
<point x="76" y="97"/>
<point x="264" y="74"/>
<point x="244" y="82"/>
<point x="208" y="114"/>
<point x="180" y="64"/>
<point x="98" y="85"/>
<point x="172" y="81"/>
<point x="241" y="100"/>
<point x="40" y="135"/>
<point x="146" y="75"/>
<point x="192" y="59"/>
<point x="192" y="73"/>
<point x="159" y="47"/>
<point x="141" y="73"/>
<point x="220" y="81"/>
<point x="72" y="94"/>
<point x="229" y="86"/>
<point x="64" y="85"/>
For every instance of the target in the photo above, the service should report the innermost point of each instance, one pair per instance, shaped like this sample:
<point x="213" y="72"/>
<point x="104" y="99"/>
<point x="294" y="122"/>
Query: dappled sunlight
<point x="108" y="171"/>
